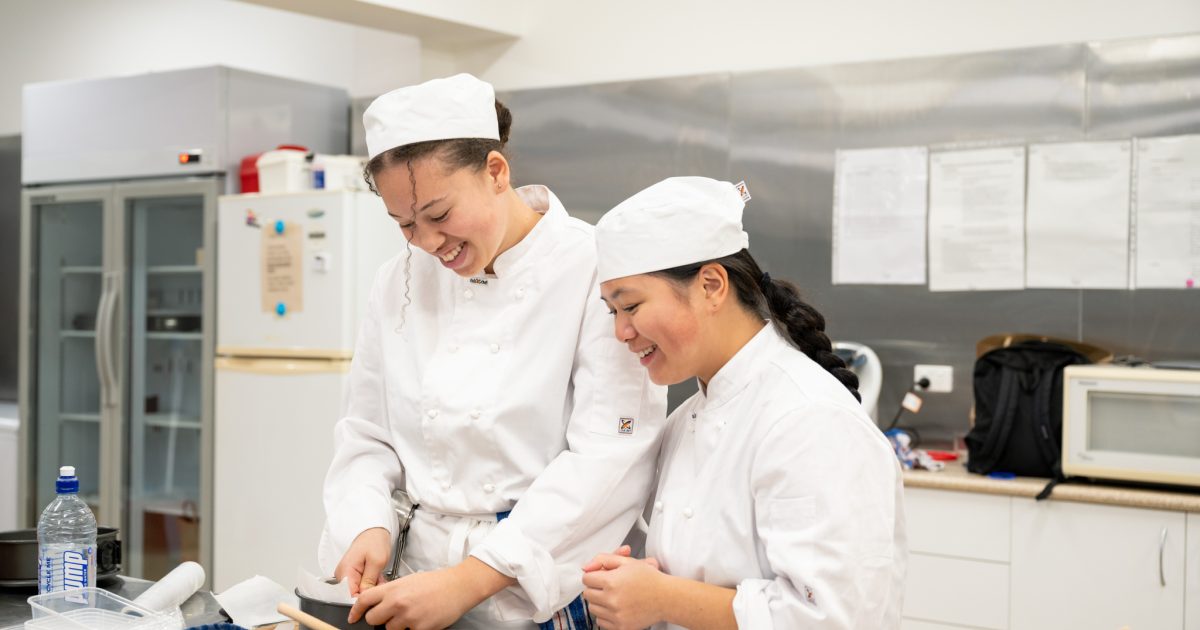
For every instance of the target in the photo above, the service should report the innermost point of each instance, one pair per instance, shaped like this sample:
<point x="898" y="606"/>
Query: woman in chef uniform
<point x="485" y="383"/>
<point x="779" y="502"/>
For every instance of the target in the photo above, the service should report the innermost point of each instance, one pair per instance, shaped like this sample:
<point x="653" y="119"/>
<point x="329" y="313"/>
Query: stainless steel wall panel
<point x="786" y="126"/>
<point x="358" y="134"/>
<point x="596" y="145"/>
<point x="778" y="130"/>
<point x="1144" y="87"/>
<point x="1151" y="323"/>
<point x="10" y="262"/>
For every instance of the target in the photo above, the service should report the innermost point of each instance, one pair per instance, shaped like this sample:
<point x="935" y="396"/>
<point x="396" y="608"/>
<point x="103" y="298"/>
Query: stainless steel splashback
<point x="10" y="258"/>
<point x="778" y="130"/>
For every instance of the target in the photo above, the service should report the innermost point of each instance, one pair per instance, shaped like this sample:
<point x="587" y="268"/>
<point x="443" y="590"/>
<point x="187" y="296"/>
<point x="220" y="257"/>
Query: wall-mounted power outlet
<point x="941" y="377"/>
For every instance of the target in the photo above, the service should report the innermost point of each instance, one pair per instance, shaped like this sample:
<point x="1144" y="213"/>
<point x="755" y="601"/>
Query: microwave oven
<point x="1132" y="424"/>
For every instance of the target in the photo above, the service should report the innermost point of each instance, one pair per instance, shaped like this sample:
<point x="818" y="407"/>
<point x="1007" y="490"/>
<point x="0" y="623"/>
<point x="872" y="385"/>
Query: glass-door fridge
<point x="64" y="304"/>
<point x="118" y="310"/>
<point x="121" y="177"/>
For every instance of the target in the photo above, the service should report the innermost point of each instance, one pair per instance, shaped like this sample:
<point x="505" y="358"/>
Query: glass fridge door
<point x="170" y="363"/>
<point x="64" y="303"/>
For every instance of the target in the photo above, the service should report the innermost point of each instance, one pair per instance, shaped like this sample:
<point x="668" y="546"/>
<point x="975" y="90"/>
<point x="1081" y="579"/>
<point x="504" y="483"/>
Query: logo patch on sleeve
<point x="625" y="426"/>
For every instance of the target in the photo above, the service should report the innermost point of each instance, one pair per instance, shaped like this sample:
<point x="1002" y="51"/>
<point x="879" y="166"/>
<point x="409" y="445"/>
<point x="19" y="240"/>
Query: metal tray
<point x="18" y="556"/>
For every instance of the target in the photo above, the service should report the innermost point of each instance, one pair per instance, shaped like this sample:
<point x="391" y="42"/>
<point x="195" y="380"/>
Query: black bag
<point x="1018" y="410"/>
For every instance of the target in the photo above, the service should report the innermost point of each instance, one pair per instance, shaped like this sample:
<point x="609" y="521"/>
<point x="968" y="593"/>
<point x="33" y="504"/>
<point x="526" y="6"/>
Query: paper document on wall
<point x="1077" y="224"/>
<point x="879" y="216"/>
<point x="1167" y="213"/>
<point x="282" y="270"/>
<point x="977" y="219"/>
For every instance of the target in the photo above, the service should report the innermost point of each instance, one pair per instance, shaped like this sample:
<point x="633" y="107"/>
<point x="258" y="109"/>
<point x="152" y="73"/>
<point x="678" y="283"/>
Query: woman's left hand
<point x="430" y="600"/>
<point x="623" y="592"/>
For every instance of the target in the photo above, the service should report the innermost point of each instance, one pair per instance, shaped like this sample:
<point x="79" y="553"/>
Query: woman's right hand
<point x="364" y="561"/>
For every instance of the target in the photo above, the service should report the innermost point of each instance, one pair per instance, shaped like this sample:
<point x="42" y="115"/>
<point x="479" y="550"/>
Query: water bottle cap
<point x="67" y="482"/>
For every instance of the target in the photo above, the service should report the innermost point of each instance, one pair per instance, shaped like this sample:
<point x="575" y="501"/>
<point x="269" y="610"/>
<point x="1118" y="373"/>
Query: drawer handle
<point x="1162" y="545"/>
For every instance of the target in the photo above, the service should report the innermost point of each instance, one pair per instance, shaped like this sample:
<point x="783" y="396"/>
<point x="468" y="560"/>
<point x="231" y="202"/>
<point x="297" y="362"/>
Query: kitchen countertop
<point x="956" y="477"/>
<point x="199" y="609"/>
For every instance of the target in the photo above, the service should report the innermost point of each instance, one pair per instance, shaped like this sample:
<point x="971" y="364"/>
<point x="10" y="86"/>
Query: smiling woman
<point x="801" y="499"/>
<point x="485" y="386"/>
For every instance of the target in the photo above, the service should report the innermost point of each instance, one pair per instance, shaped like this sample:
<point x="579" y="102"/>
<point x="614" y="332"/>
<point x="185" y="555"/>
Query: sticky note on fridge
<point x="282" y="270"/>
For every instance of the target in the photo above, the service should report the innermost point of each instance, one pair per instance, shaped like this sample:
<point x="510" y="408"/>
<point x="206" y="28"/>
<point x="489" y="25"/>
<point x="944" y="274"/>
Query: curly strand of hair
<point x="412" y="180"/>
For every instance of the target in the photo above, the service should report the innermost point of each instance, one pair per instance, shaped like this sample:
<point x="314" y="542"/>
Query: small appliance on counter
<point x="1132" y="423"/>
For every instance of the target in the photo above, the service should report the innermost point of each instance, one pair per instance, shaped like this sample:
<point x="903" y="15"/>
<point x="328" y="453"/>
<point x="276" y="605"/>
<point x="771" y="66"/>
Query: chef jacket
<point x="775" y="482"/>
<point x="501" y="392"/>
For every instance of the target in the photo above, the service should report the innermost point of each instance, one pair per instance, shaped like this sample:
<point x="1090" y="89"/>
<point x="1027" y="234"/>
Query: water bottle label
<point x="75" y="570"/>
<point x="67" y="569"/>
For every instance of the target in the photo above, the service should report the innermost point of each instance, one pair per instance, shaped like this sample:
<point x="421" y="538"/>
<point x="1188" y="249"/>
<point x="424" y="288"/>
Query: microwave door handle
<point x="1162" y="545"/>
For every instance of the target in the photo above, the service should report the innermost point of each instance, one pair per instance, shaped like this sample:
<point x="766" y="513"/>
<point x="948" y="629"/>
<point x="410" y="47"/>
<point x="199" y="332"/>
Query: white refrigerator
<point x="294" y="271"/>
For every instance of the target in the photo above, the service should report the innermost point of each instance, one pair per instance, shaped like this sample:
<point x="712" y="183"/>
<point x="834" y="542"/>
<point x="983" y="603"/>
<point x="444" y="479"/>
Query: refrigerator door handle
<point x="101" y="341"/>
<point x="113" y="280"/>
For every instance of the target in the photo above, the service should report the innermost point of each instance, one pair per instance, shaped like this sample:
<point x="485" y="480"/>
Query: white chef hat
<point x="678" y="221"/>
<point x="460" y="106"/>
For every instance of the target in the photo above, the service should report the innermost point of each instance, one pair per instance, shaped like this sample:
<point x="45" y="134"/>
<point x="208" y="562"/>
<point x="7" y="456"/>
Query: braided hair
<point x="779" y="301"/>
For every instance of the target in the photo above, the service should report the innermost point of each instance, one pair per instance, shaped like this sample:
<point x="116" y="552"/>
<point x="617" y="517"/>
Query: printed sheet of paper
<point x="1167" y="213"/>
<point x="1077" y="223"/>
<point x="879" y="216"/>
<point x="282" y="269"/>
<point x="977" y="219"/>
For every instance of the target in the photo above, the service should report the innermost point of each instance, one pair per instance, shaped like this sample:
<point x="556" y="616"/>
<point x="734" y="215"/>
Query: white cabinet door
<point x="953" y="591"/>
<point x="1192" y="605"/>
<point x="1095" y="567"/>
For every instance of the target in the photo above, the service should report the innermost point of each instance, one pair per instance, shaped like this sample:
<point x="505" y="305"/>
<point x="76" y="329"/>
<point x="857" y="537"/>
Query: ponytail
<point x="779" y="301"/>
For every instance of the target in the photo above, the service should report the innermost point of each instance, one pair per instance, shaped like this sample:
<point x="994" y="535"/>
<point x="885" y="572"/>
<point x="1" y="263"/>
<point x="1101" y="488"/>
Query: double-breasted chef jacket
<point x="481" y="396"/>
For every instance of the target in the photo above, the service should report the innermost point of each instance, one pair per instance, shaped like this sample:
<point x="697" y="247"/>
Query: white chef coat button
<point x="687" y="512"/>
<point x="495" y="348"/>
<point x="487" y="487"/>
<point x="453" y="348"/>
<point x="658" y="506"/>
<point x="520" y="293"/>
<point x="468" y="294"/>
<point x="693" y="416"/>
<point x="445" y="485"/>
<point x="432" y="413"/>
<point x="475" y="414"/>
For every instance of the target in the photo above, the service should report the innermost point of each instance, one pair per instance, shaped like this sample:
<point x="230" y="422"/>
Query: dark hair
<point x="780" y="301"/>
<point x="455" y="153"/>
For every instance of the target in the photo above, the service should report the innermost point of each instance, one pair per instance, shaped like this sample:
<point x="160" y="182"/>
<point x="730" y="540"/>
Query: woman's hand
<point x="624" y="592"/>
<point x="429" y="600"/>
<point x="364" y="561"/>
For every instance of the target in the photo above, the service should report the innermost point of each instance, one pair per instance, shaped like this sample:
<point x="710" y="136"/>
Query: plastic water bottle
<point x="66" y="539"/>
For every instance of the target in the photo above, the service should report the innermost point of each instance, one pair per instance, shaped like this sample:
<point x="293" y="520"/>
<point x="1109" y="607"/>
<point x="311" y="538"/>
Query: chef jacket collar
<point x="740" y="370"/>
<point x="543" y="201"/>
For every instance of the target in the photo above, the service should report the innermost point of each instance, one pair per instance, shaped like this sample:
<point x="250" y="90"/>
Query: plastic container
<point x="248" y="173"/>
<point x="66" y="538"/>
<point x="93" y="608"/>
<point x="338" y="172"/>
<point x="284" y="170"/>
